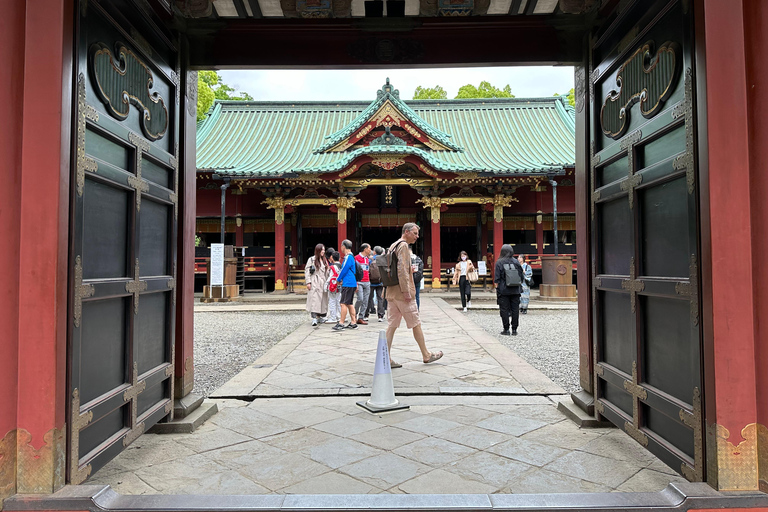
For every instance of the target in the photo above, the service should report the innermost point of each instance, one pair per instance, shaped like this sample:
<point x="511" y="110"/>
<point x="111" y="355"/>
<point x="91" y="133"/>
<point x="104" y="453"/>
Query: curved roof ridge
<point x="387" y="93"/>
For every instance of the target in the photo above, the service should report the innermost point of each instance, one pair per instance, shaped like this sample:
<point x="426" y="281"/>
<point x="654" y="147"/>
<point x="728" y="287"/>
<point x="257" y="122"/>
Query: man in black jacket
<point x="508" y="297"/>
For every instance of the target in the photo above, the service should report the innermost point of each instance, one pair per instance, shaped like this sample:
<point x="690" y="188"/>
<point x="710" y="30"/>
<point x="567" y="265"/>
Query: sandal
<point x="393" y="364"/>
<point x="434" y="356"/>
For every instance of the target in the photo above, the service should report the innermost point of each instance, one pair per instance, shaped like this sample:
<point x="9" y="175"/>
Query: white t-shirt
<point x="463" y="265"/>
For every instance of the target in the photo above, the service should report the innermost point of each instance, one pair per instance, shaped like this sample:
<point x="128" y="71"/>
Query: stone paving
<point x="481" y="421"/>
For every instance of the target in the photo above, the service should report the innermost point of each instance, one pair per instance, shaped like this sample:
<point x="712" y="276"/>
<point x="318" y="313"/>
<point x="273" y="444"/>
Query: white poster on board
<point x="217" y="264"/>
<point x="481" y="270"/>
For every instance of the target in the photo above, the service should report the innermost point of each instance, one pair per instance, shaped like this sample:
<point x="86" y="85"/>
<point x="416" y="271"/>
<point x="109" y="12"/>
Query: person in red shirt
<point x="363" y="285"/>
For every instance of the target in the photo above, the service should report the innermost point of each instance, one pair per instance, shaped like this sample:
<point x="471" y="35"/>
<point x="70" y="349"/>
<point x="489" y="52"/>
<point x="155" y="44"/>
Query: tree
<point x="484" y="90"/>
<point x="430" y="93"/>
<point x="210" y="87"/>
<point x="571" y="97"/>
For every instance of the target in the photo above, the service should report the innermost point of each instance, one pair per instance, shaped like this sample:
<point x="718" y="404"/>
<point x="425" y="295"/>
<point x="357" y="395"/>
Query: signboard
<point x="217" y="264"/>
<point x="481" y="270"/>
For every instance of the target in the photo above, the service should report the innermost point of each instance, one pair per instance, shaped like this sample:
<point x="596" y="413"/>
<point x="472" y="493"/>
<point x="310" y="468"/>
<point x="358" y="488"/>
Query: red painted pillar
<point x="483" y="234"/>
<point x="734" y="339"/>
<point x="279" y="249"/>
<point x="43" y="242"/>
<point x="435" y="232"/>
<point x="498" y="235"/>
<point x="341" y="226"/>
<point x="12" y="81"/>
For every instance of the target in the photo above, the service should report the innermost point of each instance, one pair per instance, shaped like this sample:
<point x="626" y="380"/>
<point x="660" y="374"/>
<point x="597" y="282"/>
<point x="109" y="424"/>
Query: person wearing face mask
<point x="463" y="267"/>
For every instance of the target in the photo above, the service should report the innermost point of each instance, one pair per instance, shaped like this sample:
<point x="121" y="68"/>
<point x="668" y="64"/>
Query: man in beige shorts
<point x="401" y="303"/>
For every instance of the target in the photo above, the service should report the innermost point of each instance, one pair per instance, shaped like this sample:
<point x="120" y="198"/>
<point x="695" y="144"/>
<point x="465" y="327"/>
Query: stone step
<point x="188" y="424"/>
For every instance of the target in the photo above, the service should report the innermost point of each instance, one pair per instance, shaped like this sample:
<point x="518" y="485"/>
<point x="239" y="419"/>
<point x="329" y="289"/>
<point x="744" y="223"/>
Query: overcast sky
<point x="313" y="85"/>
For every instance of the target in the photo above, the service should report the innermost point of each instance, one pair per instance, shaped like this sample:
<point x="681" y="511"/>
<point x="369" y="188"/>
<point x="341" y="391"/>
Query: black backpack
<point x="511" y="276"/>
<point x="359" y="274"/>
<point x="387" y="265"/>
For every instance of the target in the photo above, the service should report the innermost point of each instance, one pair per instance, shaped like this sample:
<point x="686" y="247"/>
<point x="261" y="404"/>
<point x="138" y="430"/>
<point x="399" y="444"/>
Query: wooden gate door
<point x="645" y="246"/>
<point x="123" y="233"/>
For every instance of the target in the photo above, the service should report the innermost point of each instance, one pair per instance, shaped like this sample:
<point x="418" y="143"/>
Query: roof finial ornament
<point x="387" y="89"/>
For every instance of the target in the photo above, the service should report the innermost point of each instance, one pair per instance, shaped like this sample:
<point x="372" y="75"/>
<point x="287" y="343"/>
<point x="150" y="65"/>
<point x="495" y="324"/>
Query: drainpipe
<point x="554" y="212"/>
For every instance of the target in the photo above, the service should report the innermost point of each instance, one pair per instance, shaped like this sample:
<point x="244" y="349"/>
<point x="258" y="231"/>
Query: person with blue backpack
<point x="508" y="281"/>
<point x="348" y="287"/>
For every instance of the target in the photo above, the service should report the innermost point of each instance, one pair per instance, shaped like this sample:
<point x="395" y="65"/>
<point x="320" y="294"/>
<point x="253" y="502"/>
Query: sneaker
<point x="465" y="309"/>
<point x="361" y="321"/>
<point x="338" y="327"/>
<point x="514" y="332"/>
<point x="504" y="333"/>
<point x="321" y="320"/>
<point x="351" y="326"/>
<point x="314" y="322"/>
<point x="469" y="303"/>
<point x="365" y="318"/>
<point x="381" y="319"/>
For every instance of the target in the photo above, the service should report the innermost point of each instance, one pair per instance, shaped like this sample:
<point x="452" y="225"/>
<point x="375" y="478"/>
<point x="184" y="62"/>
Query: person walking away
<point x="463" y="267"/>
<point x="334" y="289"/>
<point x="377" y="289"/>
<point x="418" y="274"/>
<point x="400" y="298"/>
<point x="525" y="296"/>
<point x="315" y="275"/>
<point x="348" y="287"/>
<point x="363" y="285"/>
<point x="508" y="279"/>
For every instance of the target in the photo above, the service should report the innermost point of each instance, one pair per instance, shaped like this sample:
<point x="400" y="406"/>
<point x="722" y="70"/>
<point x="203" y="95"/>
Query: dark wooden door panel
<point x="647" y="346"/>
<point x="124" y="232"/>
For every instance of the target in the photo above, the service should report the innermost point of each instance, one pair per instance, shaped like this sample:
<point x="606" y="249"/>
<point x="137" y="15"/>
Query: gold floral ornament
<point x="434" y="203"/>
<point x="500" y="201"/>
<point x="277" y="204"/>
<point x="342" y="204"/>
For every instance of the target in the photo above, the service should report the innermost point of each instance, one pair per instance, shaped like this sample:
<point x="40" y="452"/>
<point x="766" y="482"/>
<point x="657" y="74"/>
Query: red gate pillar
<point x="435" y="232"/>
<point x="45" y="93"/>
<point x="12" y="58"/>
<point x="735" y="338"/>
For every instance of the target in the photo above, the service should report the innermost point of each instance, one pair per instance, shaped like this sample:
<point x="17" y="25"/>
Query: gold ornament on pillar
<point x="342" y="204"/>
<point x="278" y="204"/>
<point x="499" y="202"/>
<point x="434" y="203"/>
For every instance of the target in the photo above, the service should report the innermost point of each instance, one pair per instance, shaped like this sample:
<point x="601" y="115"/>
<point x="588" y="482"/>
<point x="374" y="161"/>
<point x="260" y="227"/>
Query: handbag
<point x="472" y="275"/>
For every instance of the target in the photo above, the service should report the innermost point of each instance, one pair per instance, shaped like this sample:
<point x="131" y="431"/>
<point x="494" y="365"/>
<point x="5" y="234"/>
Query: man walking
<point x="401" y="303"/>
<point x="348" y="287"/>
<point x="508" y="280"/>
<point x="363" y="285"/>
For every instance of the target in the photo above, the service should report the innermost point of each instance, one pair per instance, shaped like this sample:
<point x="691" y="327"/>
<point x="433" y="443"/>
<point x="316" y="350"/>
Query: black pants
<point x="465" y="288"/>
<point x="378" y="291"/>
<point x="509" y="307"/>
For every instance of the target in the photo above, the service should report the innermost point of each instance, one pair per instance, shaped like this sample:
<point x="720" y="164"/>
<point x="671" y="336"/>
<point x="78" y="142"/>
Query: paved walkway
<point x="481" y="421"/>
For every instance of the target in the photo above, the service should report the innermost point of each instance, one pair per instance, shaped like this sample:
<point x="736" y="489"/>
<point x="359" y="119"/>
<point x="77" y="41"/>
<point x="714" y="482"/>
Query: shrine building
<point x="473" y="174"/>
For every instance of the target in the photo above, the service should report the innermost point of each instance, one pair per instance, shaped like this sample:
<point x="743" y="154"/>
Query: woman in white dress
<point x="525" y="296"/>
<point x="315" y="275"/>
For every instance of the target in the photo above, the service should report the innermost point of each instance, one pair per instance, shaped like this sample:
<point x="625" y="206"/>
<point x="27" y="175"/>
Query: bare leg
<point x="343" y="314"/>
<point x="352" y="316"/>
<point x="419" y="335"/>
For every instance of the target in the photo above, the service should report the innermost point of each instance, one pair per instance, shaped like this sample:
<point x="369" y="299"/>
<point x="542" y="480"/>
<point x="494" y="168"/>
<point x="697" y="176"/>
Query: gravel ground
<point x="547" y="339"/>
<point x="225" y="343"/>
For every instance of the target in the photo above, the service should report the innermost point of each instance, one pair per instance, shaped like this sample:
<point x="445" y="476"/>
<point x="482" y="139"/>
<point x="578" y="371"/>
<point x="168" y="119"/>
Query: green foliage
<point x="198" y="241"/>
<point x="210" y="87"/>
<point x="430" y="93"/>
<point x="484" y="90"/>
<point x="571" y="97"/>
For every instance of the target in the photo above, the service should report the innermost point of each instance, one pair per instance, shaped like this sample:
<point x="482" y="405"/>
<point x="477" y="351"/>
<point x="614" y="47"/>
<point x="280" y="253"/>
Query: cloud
<point x="340" y="85"/>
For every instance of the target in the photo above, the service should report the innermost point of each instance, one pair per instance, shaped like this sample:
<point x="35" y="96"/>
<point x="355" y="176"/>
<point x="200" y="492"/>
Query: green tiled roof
<point x="498" y="136"/>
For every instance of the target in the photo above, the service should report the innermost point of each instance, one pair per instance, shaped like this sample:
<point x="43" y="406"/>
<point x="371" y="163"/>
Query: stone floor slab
<point x="385" y="471"/>
<point x="434" y="452"/>
<point x="593" y="468"/>
<point x="439" y="481"/>
<point x="330" y="483"/>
